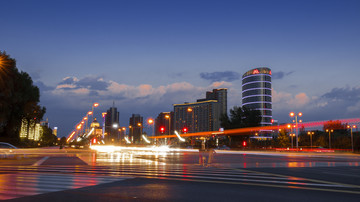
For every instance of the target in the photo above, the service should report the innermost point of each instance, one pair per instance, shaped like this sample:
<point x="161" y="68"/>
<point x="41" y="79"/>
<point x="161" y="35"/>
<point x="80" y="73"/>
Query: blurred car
<point x="7" y="150"/>
<point x="223" y="147"/>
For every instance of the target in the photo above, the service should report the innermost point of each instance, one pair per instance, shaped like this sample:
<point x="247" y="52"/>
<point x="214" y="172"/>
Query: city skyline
<point x="147" y="56"/>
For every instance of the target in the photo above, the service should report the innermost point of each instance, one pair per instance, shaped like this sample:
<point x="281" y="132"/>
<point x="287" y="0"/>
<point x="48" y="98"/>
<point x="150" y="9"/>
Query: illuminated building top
<point x="260" y="70"/>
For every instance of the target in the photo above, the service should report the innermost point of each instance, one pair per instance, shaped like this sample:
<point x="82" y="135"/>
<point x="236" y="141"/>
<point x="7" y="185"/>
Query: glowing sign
<point x="256" y="71"/>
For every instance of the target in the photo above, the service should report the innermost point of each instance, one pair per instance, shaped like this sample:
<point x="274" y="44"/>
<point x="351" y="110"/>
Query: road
<point x="50" y="174"/>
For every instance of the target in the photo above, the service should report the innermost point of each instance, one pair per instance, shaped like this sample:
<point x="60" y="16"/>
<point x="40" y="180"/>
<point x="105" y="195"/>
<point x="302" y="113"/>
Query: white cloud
<point x="283" y="100"/>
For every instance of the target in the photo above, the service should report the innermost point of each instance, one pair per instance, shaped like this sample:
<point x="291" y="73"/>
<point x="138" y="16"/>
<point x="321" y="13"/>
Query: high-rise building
<point x="112" y="123"/>
<point x="220" y="95"/>
<point x="203" y="115"/>
<point x="256" y="92"/>
<point x="197" y="117"/>
<point x="164" y="123"/>
<point x="135" y="127"/>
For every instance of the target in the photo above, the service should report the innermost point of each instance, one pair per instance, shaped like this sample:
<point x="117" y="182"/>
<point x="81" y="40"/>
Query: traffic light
<point x="185" y="130"/>
<point x="94" y="140"/>
<point x="162" y="129"/>
<point x="244" y="143"/>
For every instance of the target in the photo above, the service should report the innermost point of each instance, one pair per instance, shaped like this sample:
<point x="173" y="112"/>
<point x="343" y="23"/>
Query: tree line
<point x="19" y="100"/>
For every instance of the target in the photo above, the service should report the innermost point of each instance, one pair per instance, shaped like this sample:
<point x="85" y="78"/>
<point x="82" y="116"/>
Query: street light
<point x="330" y="131"/>
<point x="167" y="116"/>
<point x="352" y="139"/>
<point x="292" y="114"/>
<point x="292" y="136"/>
<point x="151" y="122"/>
<point x="310" y="133"/>
<point x="116" y="126"/>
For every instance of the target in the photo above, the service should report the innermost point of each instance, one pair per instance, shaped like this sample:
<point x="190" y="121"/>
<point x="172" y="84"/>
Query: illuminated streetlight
<point x="167" y="116"/>
<point x="352" y="139"/>
<point x="330" y="131"/>
<point x="151" y="122"/>
<point x="292" y="136"/>
<point x="310" y="133"/>
<point x="292" y="114"/>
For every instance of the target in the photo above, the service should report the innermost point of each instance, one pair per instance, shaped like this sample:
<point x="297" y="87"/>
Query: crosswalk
<point x="20" y="184"/>
<point x="31" y="180"/>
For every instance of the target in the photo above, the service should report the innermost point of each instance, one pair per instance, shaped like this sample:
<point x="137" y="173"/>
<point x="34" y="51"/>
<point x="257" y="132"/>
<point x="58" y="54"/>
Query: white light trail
<point x="180" y="138"/>
<point x="146" y="140"/>
<point x="127" y="140"/>
<point x="92" y="130"/>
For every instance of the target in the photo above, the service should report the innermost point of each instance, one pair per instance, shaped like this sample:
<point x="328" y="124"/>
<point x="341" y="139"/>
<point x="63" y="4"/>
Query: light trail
<point x="252" y="130"/>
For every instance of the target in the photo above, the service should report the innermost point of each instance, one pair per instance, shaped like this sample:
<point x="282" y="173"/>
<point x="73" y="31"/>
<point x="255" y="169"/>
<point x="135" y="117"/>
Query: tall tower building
<point x="221" y="96"/>
<point x="256" y="92"/>
<point x="135" y="127"/>
<point x="197" y="116"/>
<point x="112" y="122"/>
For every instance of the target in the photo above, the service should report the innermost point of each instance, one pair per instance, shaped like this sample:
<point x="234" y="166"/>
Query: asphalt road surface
<point x="145" y="175"/>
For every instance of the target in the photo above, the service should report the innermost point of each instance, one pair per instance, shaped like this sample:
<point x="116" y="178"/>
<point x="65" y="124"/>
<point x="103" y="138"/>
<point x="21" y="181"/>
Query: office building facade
<point x="164" y="123"/>
<point x="220" y="95"/>
<point x="135" y="128"/>
<point x="112" y="123"/>
<point x="197" y="117"/>
<point x="256" y="93"/>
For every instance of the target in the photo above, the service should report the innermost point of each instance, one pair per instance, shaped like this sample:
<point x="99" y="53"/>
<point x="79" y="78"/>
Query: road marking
<point x="39" y="162"/>
<point x="22" y="184"/>
<point x="263" y="185"/>
<point x="312" y="180"/>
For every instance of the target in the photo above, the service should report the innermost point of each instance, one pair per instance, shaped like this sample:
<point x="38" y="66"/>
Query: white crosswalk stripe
<point x="173" y="172"/>
<point x="20" y="184"/>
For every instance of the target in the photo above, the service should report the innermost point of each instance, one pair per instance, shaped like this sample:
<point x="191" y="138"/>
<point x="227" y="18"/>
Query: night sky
<point x="147" y="55"/>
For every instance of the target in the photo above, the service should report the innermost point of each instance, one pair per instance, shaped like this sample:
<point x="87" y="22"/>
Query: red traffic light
<point x="162" y="129"/>
<point x="244" y="143"/>
<point x="94" y="140"/>
<point x="185" y="130"/>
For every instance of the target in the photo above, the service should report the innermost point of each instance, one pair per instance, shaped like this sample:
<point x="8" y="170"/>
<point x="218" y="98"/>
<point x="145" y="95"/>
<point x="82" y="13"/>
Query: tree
<point x="240" y="117"/>
<point x="19" y="98"/>
<point x="48" y="138"/>
<point x="283" y="139"/>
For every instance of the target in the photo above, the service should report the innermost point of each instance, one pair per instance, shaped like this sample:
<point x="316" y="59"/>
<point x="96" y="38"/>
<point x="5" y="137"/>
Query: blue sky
<point x="148" y="55"/>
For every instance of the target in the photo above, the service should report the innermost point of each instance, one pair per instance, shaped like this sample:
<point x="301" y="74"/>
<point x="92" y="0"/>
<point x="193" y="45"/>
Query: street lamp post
<point x="131" y="133"/>
<point x="140" y="125"/>
<point x="330" y="131"/>
<point x="167" y="116"/>
<point x="310" y="133"/>
<point x="292" y="114"/>
<point x="352" y="138"/>
<point x="292" y="136"/>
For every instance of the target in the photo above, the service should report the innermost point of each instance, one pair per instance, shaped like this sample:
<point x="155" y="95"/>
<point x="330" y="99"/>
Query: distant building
<point x="55" y="131"/>
<point x="30" y="130"/>
<point x="164" y="120"/>
<point x="97" y="128"/>
<point x="256" y="92"/>
<point x="220" y="95"/>
<point x="45" y="123"/>
<point x="197" y="116"/>
<point x="112" y="123"/>
<point x="135" y="127"/>
<point x="203" y="115"/>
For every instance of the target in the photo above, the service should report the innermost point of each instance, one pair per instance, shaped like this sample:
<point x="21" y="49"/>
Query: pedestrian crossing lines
<point x="20" y="184"/>
<point x="198" y="174"/>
